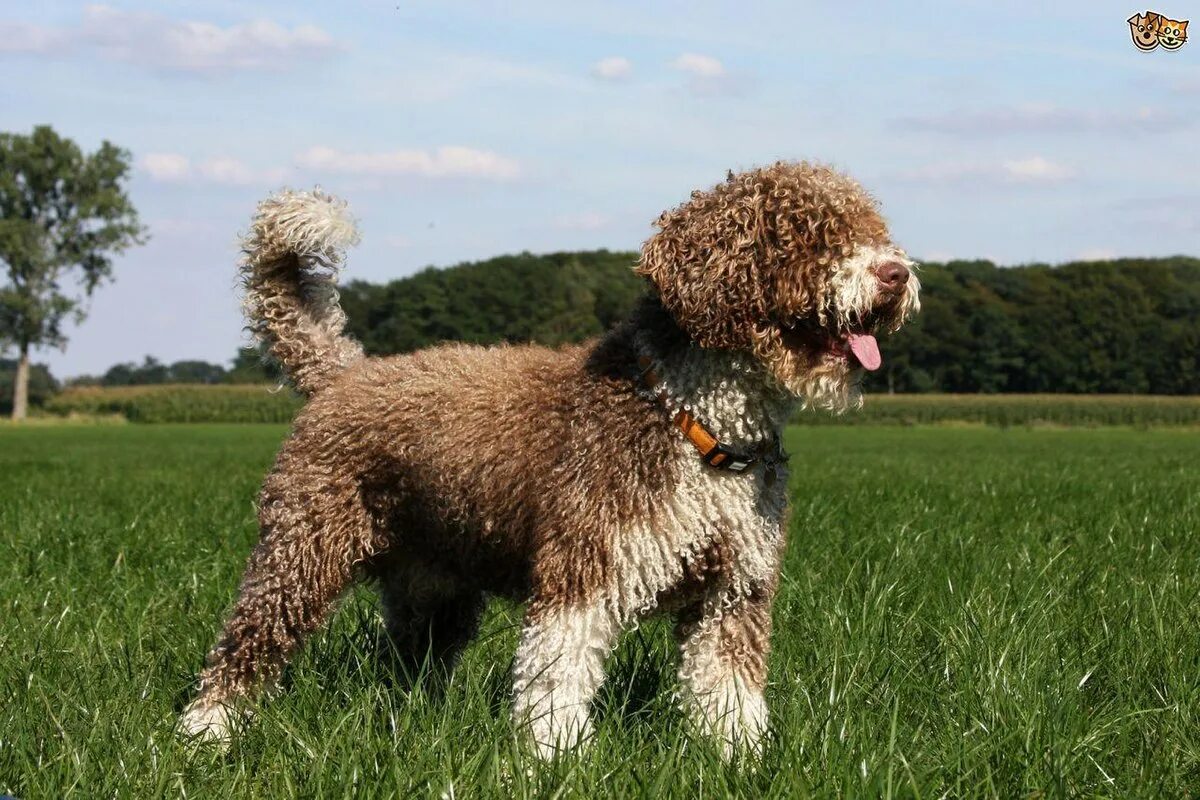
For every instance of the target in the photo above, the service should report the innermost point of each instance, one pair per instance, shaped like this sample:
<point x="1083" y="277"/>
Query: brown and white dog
<point x="637" y="474"/>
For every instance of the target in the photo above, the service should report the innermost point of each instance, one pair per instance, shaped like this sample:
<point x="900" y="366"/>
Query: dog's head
<point x="1144" y="30"/>
<point x="791" y="263"/>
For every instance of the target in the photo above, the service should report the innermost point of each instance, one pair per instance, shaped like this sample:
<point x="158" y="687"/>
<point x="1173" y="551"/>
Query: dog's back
<point x="485" y="457"/>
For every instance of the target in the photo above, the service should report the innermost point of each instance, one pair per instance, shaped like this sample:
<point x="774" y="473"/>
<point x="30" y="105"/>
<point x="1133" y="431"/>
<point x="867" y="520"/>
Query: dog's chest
<point x="713" y="530"/>
<point x="716" y="531"/>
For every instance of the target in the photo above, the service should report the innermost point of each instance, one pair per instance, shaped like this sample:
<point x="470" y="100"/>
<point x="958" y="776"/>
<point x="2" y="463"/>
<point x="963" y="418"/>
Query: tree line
<point x="247" y="367"/>
<point x="1124" y="326"/>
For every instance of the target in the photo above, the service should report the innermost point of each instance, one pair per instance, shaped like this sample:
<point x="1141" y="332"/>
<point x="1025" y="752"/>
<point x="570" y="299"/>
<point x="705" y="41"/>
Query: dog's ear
<point x="707" y="267"/>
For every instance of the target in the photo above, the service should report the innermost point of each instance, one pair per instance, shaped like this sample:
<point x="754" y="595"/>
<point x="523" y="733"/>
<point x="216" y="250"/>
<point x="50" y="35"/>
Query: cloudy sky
<point x="1016" y="131"/>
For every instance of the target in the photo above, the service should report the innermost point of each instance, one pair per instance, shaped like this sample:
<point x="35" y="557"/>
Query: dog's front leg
<point x="724" y="641"/>
<point x="559" y="666"/>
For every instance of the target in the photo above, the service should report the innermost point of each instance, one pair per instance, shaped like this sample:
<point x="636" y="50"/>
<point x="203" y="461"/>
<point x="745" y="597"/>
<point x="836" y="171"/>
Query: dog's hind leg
<point x="558" y="668"/>
<point x="723" y="643"/>
<point x="315" y="531"/>
<point x="429" y="617"/>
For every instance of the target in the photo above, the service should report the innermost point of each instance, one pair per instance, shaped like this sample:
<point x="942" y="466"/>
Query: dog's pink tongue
<point x="866" y="350"/>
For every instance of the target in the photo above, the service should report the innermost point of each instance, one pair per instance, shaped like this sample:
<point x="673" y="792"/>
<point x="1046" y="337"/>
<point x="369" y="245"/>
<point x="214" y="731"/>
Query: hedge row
<point x="180" y="403"/>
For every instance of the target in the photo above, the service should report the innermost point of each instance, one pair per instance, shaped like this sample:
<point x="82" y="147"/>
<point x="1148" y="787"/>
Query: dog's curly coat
<point x="555" y="476"/>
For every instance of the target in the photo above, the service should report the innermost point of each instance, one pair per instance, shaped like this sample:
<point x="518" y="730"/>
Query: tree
<point x="151" y="371"/>
<point x="42" y="385"/>
<point x="63" y="215"/>
<point x="195" y="372"/>
<point x="552" y="298"/>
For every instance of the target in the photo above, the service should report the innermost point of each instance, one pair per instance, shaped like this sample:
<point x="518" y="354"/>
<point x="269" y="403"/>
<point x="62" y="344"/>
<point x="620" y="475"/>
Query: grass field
<point x="972" y="612"/>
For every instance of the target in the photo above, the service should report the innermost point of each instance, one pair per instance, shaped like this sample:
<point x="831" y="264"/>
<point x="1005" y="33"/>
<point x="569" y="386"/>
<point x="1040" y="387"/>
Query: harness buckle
<point x="721" y="457"/>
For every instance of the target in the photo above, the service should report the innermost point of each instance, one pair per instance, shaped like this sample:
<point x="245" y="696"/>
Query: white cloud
<point x="159" y="42"/>
<point x="1096" y="254"/>
<point x="232" y="172"/>
<point x="699" y="65"/>
<point x="165" y="166"/>
<point x="443" y="162"/>
<point x="586" y="221"/>
<point x="1030" y="171"/>
<point x="223" y="170"/>
<point x="1035" y="169"/>
<point x="707" y="76"/>
<point x="613" y="68"/>
<point x="1043" y="118"/>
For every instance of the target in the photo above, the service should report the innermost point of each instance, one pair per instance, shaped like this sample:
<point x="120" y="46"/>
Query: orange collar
<point x="712" y="451"/>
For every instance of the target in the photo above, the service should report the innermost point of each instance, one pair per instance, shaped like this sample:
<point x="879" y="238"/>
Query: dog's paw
<point x="209" y="721"/>
<point x="734" y="718"/>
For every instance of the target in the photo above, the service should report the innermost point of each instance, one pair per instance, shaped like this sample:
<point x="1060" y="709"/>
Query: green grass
<point x="972" y="612"/>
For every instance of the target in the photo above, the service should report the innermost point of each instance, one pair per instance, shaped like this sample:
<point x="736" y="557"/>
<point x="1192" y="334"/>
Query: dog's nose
<point x="893" y="275"/>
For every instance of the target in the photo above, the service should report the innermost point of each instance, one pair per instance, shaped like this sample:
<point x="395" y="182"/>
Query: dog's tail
<point x="293" y="253"/>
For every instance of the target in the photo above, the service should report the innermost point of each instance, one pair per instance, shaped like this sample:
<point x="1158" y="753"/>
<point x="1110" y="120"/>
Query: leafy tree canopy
<point x="63" y="215"/>
<point x="1131" y="325"/>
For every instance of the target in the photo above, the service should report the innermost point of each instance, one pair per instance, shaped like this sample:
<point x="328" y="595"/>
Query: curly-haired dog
<point x="641" y="473"/>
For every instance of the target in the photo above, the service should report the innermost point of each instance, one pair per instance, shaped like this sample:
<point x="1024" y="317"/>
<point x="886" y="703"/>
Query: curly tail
<point x="293" y="253"/>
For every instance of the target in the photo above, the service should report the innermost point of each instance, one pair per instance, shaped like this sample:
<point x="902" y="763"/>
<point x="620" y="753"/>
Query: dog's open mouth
<point x="857" y="344"/>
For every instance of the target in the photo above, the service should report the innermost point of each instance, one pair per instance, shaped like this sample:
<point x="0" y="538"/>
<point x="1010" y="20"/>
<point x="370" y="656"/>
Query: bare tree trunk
<point x="21" y="385"/>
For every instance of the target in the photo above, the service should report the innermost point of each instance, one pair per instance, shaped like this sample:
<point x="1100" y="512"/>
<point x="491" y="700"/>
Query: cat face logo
<point x="1152" y="29"/>
<point x="1144" y="29"/>
<point x="1171" y="33"/>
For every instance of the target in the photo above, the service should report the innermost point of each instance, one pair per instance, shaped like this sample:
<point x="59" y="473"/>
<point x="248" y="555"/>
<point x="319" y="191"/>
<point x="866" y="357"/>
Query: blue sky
<point x="1018" y="131"/>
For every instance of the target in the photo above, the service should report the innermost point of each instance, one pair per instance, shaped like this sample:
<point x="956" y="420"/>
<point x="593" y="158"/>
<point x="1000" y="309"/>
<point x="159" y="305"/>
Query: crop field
<point x="965" y="612"/>
<point x="254" y="403"/>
